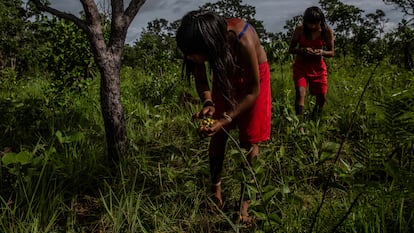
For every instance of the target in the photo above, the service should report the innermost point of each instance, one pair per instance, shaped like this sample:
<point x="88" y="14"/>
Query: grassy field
<point x="352" y="170"/>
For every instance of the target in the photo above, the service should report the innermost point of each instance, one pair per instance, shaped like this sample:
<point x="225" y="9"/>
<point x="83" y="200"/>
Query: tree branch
<point x="121" y="20"/>
<point x="92" y="24"/>
<point x="119" y="24"/>
<point x="117" y="8"/>
<point x="93" y="18"/>
<point x="92" y="12"/>
<point x="132" y="10"/>
<point x="41" y="6"/>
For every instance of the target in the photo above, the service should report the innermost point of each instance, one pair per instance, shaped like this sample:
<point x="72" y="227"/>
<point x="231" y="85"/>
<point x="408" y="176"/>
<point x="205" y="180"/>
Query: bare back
<point x="248" y="40"/>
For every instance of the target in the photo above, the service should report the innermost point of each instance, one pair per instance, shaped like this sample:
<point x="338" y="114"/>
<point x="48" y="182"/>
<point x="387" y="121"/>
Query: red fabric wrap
<point x="255" y="123"/>
<point x="311" y="69"/>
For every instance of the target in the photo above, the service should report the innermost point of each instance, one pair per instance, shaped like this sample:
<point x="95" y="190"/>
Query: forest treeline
<point x="33" y="41"/>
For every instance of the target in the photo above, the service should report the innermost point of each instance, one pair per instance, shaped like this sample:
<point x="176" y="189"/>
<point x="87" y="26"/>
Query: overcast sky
<point x="273" y="13"/>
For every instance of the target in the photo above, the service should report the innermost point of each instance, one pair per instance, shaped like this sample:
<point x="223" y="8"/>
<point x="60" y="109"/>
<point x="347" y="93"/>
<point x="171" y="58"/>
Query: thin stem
<point x="326" y="184"/>
<point x="250" y="169"/>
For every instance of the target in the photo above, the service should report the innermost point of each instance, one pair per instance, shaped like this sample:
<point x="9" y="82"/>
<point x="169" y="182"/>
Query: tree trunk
<point x="112" y="110"/>
<point x="108" y="59"/>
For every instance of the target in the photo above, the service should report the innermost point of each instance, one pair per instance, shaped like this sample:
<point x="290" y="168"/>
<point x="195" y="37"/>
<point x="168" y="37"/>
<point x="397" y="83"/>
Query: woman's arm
<point x="201" y="82"/>
<point x="294" y="41"/>
<point x="330" y="51"/>
<point x="248" y="59"/>
<point x="203" y="90"/>
<point x="249" y="62"/>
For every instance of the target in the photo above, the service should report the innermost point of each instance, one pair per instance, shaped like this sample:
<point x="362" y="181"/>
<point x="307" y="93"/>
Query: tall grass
<point x="56" y="178"/>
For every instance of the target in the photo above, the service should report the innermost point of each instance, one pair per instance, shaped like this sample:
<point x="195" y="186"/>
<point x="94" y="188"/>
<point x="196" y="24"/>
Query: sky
<point x="273" y="13"/>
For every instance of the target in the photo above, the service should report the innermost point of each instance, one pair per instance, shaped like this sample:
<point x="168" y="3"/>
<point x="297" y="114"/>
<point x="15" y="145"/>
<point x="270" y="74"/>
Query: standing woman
<point x="311" y="42"/>
<point x="240" y="93"/>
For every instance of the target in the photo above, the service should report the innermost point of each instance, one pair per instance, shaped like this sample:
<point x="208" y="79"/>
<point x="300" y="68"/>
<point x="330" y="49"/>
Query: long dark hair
<point x="314" y="15"/>
<point x="203" y="32"/>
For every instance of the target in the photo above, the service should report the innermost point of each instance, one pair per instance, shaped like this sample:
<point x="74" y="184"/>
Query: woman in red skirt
<point x="239" y="96"/>
<point x="311" y="42"/>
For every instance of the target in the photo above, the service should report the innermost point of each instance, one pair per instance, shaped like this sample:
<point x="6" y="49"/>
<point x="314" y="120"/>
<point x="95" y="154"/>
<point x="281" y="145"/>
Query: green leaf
<point x="59" y="136"/>
<point x="326" y="156"/>
<point x="70" y="137"/>
<point x="24" y="157"/>
<point x="282" y="151"/>
<point x="76" y="137"/>
<point x="259" y="170"/>
<point x="252" y="188"/>
<point x="275" y="218"/>
<point x="234" y="152"/>
<point x="8" y="158"/>
<point x="331" y="146"/>
<point x="267" y="196"/>
<point x="259" y="215"/>
<point x="286" y="189"/>
<point x="269" y="188"/>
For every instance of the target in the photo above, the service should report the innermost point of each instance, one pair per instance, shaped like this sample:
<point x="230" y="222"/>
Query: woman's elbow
<point x="256" y="93"/>
<point x="329" y="53"/>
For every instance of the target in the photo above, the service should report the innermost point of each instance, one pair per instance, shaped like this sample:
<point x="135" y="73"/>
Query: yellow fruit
<point x="206" y="122"/>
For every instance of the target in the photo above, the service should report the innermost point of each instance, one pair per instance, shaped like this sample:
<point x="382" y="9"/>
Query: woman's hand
<point x="216" y="127"/>
<point x="312" y="51"/>
<point x="207" y="111"/>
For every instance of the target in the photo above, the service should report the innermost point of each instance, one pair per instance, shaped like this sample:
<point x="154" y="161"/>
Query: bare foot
<point x="247" y="221"/>
<point x="216" y="197"/>
<point x="244" y="217"/>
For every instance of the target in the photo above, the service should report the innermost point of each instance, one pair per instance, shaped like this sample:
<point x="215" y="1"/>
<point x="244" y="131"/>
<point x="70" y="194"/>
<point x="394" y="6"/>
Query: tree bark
<point x="108" y="60"/>
<point x="112" y="110"/>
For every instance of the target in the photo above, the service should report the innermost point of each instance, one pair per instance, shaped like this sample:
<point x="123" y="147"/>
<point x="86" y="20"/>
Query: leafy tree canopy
<point x="13" y="30"/>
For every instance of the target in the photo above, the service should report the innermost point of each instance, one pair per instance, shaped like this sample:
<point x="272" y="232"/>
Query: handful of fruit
<point x="206" y="122"/>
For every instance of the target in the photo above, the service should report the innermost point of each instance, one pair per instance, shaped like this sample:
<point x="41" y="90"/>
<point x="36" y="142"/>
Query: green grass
<point x="57" y="178"/>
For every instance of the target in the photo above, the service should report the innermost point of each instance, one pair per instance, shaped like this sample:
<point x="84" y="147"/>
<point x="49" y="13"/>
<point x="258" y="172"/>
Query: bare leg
<point x="320" y="102"/>
<point x="300" y="100"/>
<point x="300" y="105"/>
<point x="216" y="156"/>
<point x="244" y="214"/>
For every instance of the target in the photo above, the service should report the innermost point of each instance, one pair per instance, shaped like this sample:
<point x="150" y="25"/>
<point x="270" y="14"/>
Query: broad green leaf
<point x="267" y="196"/>
<point x="8" y="158"/>
<point x="23" y="157"/>
<point x="260" y="215"/>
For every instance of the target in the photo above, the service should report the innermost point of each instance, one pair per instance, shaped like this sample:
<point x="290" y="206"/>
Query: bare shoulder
<point x="235" y="24"/>
<point x="247" y="33"/>
<point x="297" y="32"/>
<point x="250" y="48"/>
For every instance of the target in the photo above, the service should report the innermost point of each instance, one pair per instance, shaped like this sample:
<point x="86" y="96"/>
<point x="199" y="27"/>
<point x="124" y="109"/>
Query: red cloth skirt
<point x="312" y="73"/>
<point x="255" y="123"/>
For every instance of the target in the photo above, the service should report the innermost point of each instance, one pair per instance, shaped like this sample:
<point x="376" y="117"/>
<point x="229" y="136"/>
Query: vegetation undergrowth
<point x="55" y="176"/>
